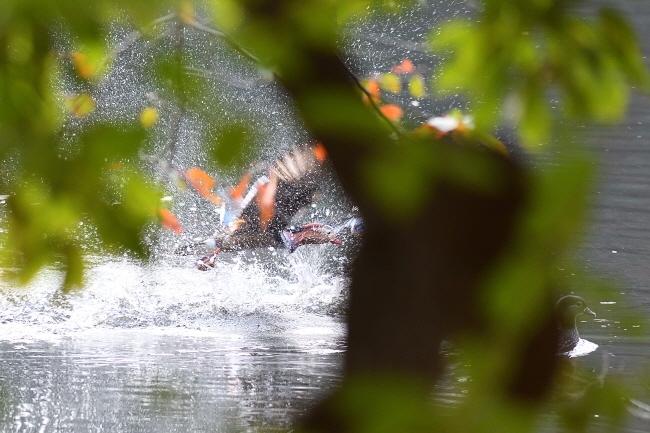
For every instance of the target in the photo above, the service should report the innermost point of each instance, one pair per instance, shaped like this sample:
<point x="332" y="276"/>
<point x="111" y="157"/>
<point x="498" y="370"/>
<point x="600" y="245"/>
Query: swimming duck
<point x="566" y="310"/>
<point x="262" y="218"/>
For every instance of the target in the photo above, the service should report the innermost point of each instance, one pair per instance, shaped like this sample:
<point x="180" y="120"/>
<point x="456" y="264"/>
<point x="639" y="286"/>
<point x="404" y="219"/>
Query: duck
<point x="262" y="217"/>
<point x="567" y="309"/>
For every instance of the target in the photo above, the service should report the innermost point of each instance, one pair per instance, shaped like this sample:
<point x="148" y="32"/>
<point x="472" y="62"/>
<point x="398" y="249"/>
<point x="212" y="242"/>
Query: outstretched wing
<point x="274" y="200"/>
<point x="353" y="224"/>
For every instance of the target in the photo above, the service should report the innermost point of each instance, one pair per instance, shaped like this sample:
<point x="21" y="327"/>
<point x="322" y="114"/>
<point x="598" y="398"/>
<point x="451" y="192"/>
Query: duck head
<point x="568" y="308"/>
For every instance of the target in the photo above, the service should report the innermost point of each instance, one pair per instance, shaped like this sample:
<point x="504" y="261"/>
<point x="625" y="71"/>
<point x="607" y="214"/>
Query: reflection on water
<point x="164" y="380"/>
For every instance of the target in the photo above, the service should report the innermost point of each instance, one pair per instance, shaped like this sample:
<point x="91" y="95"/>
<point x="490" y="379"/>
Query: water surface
<point x="168" y="348"/>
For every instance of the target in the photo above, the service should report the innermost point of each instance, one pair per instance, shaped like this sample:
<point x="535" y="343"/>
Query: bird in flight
<point x="261" y="218"/>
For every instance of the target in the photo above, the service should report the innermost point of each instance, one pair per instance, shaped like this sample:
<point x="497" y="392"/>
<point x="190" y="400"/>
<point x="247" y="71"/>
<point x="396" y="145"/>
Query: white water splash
<point x="122" y="294"/>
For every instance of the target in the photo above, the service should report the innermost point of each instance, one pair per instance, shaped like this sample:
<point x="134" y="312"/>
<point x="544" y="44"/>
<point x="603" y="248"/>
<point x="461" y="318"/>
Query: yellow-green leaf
<point x="227" y="13"/>
<point x="391" y="82"/>
<point x="416" y="87"/>
<point x="80" y="105"/>
<point x="148" y="117"/>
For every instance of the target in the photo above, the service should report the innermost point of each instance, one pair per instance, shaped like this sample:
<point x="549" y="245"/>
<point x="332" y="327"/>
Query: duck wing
<point x="353" y="224"/>
<point x="274" y="200"/>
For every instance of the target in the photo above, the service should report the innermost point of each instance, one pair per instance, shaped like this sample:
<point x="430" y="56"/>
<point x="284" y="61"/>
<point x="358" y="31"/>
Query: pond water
<point x="248" y="347"/>
<point x="165" y="347"/>
<point x="162" y="347"/>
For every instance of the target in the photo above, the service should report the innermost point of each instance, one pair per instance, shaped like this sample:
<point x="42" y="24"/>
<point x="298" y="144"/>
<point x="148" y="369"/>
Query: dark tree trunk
<point x="416" y="281"/>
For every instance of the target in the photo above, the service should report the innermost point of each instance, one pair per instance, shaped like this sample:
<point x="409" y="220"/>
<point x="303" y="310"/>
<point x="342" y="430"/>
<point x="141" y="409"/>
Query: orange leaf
<point x="84" y="67"/>
<point x="372" y="86"/>
<point x="200" y="180"/>
<point x="320" y="152"/>
<point x="187" y="13"/>
<point x="265" y="200"/>
<point x="237" y="193"/>
<point x="169" y="221"/>
<point x="391" y="111"/>
<point x="406" y="67"/>
<point x="203" y="183"/>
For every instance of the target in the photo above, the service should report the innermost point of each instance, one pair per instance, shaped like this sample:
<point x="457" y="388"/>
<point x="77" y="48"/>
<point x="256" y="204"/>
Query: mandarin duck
<point x="262" y="217"/>
<point x="567" y="309"/>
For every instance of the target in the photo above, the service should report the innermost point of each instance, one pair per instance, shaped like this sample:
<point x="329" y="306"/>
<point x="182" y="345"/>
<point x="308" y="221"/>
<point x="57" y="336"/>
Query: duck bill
<point x="588" y="311"/>
<point x="336" y="241"/>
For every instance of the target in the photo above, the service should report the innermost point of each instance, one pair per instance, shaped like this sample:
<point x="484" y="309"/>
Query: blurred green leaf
<point x="619" y="35"/>
<point x="148" y="117"/>
<point x="587" y="397"/>
<point x="227" y="13"/>
<point x="230" y="146"/>
<point x="535" y="116"/>
<point x="398" y="181"/>
<point x="74" y="267"/>
<point x="386" y="404"/>
<point x="523" y="51"/>
<point x="20" y="44"/>
<point x="44" y="217"/>
<point x="91" y="58"/>
<point x="560" y="200"/>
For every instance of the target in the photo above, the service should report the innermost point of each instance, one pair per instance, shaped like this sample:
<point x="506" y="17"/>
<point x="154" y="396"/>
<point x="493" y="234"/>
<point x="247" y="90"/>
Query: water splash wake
<point x="243" y="293"/>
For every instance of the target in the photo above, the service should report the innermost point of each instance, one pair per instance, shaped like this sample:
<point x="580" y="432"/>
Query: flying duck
<point x="262" y="218"/>
<point x="566" y="310"/>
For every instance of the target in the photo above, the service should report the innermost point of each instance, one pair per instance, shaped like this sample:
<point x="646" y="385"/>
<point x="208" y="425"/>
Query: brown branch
<point x="374" y="105"/>
<point x="252" y="57"/>
<point x="227" y="38"/>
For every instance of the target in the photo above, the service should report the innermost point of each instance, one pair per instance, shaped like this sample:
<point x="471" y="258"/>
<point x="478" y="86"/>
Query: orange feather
<point x="203" y="183"/>
<point x="237" y="193"/>
<point x="266" y="201"/>
<point x="169" y="221"/>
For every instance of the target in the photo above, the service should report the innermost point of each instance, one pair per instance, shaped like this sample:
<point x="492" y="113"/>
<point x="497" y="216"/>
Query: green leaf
<point x="227" y="13"/>
<point x="91" y="58"/>
<point x="398" y="181"/>
<point x="74" y="267"/>
<point x="621" y="38"/>
<point x="535" y="117"/>
<point x="231" y="145"/>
